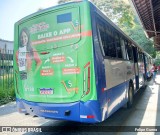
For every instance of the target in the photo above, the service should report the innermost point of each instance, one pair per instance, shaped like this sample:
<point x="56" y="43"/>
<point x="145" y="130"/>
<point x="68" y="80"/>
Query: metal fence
<point x="6" y="75"/>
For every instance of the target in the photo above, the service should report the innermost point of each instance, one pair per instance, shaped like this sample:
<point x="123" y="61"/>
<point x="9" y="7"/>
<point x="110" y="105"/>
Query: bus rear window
<point x="64" y="18"/>
<point x="57" y="28"/>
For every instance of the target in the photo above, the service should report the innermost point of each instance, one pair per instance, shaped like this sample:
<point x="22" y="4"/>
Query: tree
<point x="63" y="1"/>
<point x="117" y="10"/>
<point x="39" y="9"/>
<point x="113" y="9"/>
<point x="137" y="34"/>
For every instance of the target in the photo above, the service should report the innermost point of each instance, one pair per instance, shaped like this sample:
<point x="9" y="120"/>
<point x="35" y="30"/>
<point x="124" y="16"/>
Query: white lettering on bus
<point x="55" y="33"/>
<point x="42" y="26"/>
<point x="57" y="54"/>
<point x="64" y="31"/>
<point x="45" y="35"/>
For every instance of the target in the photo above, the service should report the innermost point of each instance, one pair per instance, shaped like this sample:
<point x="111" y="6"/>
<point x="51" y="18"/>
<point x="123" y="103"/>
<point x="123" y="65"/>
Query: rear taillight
<point x="87" y="116"/>
<point x="86" y="79"/>
<point x="90" y="116"/>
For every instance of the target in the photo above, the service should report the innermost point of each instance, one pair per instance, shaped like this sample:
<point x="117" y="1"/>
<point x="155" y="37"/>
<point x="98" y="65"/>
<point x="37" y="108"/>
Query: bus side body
<point x="119" y="64"/>
<point x="114" y="71"/>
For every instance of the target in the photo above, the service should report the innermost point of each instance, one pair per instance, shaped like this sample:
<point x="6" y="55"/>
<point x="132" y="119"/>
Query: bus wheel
<point x="130" y="96"/>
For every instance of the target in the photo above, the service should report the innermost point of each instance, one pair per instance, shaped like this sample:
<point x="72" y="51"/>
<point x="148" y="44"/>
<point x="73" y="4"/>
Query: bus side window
<point x="106" y="39"/>
<point x="100" y="32"/>
<point x="123" y="48"/>
<point x="140" y="57"/>
<point x="129" y="51"/>
<point x="111" y="44"/>
<point x="118" y="46"/>
<point x="146" y="59"/>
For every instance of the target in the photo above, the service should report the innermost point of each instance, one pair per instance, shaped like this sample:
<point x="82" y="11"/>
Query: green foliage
<point x="5" y="63"/>
<point x="7" y="93"/>
<point x="117" y="10"/>
<point x="39" y="9"/>
<point x="2" y="93"/>
<point x="138" y="35"/>
<point x="63" y="1"/>
<point x="158" y="55"/>
<point x="153" y="54"/>
<point x="157" y="62"/>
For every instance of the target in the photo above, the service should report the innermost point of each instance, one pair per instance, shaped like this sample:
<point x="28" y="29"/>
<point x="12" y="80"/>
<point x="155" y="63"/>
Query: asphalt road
<point x="145" y="112"/>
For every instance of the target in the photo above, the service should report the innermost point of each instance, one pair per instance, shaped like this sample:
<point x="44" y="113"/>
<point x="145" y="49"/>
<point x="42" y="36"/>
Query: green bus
<point x="72" y="63"/>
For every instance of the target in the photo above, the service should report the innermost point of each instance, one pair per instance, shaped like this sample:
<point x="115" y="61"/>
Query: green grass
<point x="7" y="93"/>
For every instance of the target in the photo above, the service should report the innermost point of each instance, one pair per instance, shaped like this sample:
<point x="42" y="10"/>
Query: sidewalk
<point x="147" y="111"/>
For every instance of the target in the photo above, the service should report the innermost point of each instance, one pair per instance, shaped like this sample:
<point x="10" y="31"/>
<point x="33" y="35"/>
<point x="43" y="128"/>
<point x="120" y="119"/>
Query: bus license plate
<point x="46" y="91"/>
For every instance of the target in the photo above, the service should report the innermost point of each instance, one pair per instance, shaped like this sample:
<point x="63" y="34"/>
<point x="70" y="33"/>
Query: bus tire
<point x="130" y="96"/>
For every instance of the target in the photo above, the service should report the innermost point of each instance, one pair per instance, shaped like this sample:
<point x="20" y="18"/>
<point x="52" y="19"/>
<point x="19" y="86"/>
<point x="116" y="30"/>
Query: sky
<point x="12" y="11"/>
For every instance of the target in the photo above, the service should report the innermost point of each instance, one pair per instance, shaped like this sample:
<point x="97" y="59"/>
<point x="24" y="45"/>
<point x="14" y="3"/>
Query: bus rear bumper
<point x="87" y="112"/>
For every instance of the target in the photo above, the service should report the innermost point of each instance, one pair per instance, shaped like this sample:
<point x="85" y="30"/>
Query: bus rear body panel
<point x="54" y="72"/>
<point x="87" y="112"/>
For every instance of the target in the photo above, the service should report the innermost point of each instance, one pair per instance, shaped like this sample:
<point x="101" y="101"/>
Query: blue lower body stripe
<point x="88" y="112"/>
